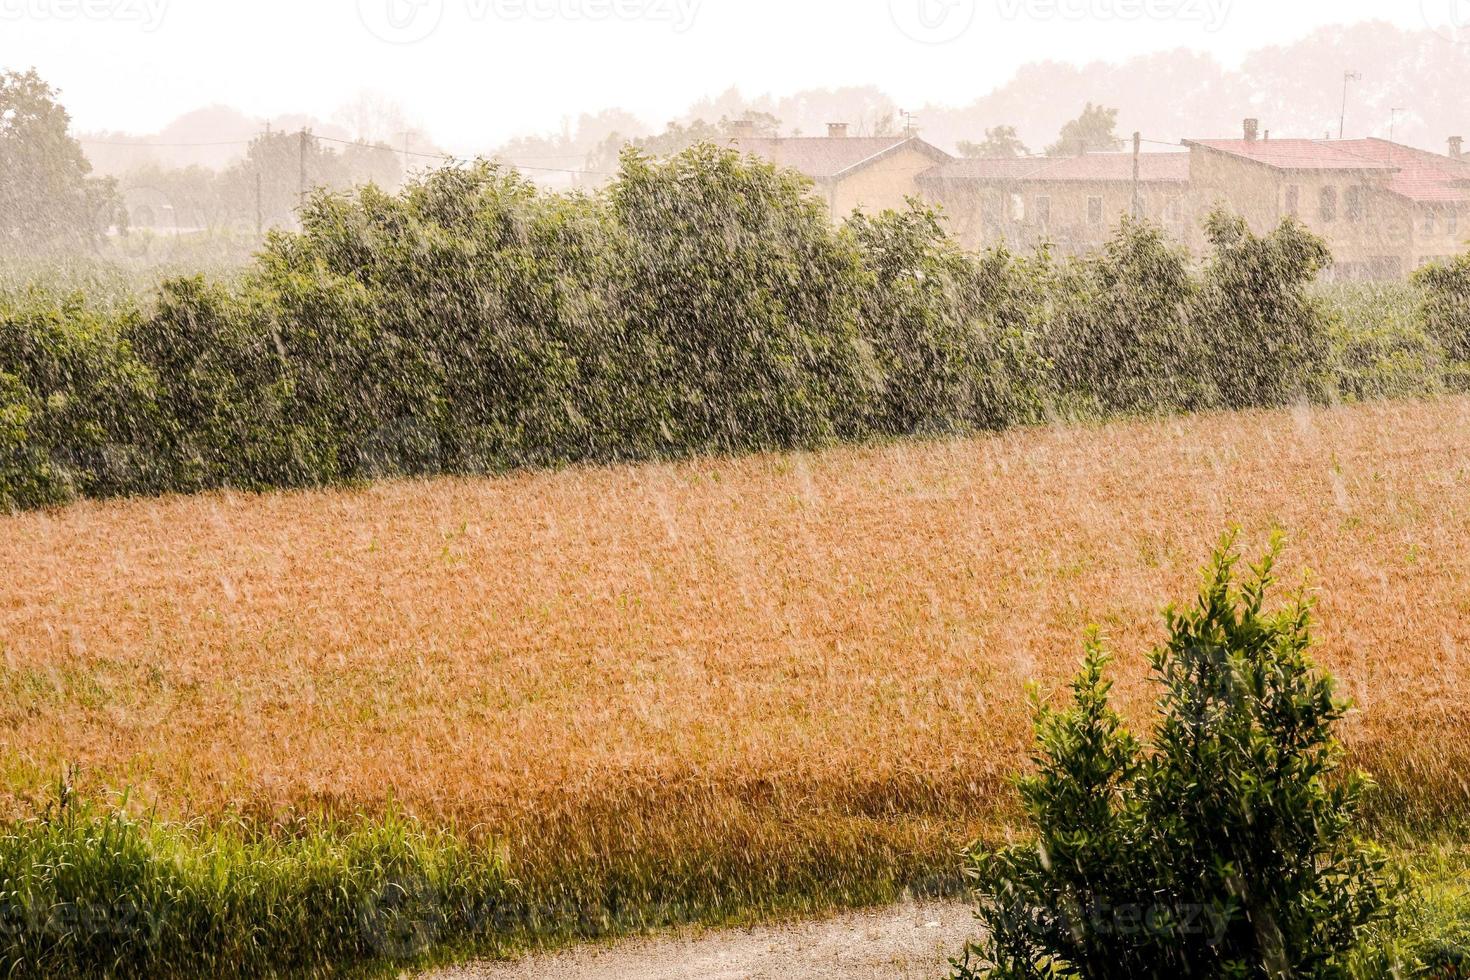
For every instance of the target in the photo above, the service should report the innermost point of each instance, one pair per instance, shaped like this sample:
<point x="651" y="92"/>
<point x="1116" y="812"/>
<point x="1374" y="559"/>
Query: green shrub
<point x="1224" y="847"/>
<point x="935" y="318"/>
<point x="462" y="326"/>
<point x="225" y="415"/>
<point x="701" y="304"/>
<point x="1121" y="339"/>
<point x="1445" y="312"/>
<point x="88" y="894"/>
<point x="743" y="302"/>
<point x="76" y="406"/>
<point x="1264" y="337"/>
<point x="1380" y="348"/>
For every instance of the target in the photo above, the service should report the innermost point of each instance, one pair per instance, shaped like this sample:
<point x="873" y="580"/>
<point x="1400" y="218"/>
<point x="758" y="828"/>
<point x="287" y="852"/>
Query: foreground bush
<point x="87" y="894"/>
<point x="1223" y="848"/>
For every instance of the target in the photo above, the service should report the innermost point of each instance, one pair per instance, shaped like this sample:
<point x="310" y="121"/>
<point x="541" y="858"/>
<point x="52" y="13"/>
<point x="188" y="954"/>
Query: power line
<point x="94" y="142"/>
<point x="443" y="157"/>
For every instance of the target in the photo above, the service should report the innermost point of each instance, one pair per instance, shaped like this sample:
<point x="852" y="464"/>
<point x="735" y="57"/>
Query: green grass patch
<point x="87" y="892"/>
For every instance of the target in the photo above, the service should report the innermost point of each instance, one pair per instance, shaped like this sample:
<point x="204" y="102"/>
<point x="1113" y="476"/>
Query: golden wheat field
<point x="770" y="644"/>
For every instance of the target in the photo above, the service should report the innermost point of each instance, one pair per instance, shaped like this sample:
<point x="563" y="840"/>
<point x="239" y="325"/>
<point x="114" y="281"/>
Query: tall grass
<point x="89" y="892"/>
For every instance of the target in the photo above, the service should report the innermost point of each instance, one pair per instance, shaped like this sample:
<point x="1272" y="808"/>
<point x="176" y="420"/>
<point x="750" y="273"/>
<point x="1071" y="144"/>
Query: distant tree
<point x="173" y="198"/>
<point x="886" y="125"/>
<point x="1094" y="130"/>
<point x="47" y="197"/>
<point x="1002" y="141"/>
<point x="278" y="160"/>
<point x="372" y="116"/>
<point x="678" y="137"/>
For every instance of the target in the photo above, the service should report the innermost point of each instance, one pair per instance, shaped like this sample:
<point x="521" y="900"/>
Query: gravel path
<point x="902" y="942"/>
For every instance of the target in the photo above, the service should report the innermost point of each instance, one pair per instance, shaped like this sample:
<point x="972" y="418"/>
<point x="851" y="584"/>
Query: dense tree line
<point x="702" y="304"/>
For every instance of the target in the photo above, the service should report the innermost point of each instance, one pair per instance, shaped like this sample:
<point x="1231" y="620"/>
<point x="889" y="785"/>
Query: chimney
<point x="1252" y="130"/>
<point x="837" y="131"/>
<point x="1457" y="147"/>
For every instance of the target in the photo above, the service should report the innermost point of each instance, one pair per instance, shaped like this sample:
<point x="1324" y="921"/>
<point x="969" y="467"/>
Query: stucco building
<point x="869" y="172"/>
<point x="1384" y="208"/>
<point x="1070" y="203"/>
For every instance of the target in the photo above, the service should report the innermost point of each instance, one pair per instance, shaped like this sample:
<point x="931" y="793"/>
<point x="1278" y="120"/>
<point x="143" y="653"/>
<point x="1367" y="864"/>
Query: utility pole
<point x="302" y="175"/>
<point x="1347" y="76"/>
<point x="1137" y="188"/>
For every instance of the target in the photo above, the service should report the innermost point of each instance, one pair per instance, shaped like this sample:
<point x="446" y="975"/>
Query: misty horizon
<point x="1219" y="61"/>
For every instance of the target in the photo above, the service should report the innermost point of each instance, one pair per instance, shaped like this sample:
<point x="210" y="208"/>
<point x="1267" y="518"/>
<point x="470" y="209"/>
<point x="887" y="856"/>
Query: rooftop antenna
<point x="1393" y="118"/>
<point x="1347" y="76"/>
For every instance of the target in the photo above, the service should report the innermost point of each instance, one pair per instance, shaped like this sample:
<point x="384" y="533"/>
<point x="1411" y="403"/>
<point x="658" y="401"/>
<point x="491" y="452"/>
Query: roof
<point x="828" y="157"/>
<point x="1294" y="154"/>
<point x="1090" y="168"/>
<point x="1416" y="175"/>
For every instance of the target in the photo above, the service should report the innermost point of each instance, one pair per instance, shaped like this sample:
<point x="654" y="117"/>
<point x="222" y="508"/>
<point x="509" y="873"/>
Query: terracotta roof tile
<point x="1112" y="167"/>
<point x="827" y="156"/>
<point x="1417" y="175"/>
<point x="1294" y="154"/>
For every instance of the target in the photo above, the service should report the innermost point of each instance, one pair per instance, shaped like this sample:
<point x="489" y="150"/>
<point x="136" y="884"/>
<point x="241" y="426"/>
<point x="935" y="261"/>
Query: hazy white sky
<point x="474" y="72"/>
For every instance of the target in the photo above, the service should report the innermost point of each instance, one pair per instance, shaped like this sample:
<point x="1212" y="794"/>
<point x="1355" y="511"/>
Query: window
<point x="1293" y="200"/>
<point x="1043" y="211"/>
<point x="1094" y="210"/>
<point x="1429" y="223"/>
<point x="1353" y="203"/>
<point x="1018" y="208"/>
<point x="1452" y="220"/>
<point x="1173" y="212"/>
<point x="1327" y="205"/>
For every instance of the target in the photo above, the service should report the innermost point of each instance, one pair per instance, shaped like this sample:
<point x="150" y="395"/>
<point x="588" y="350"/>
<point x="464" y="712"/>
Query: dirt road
<point x="910" y="941"/>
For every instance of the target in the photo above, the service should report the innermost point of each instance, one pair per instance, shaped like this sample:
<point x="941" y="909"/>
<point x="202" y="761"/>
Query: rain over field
<point x="678" y="488"/>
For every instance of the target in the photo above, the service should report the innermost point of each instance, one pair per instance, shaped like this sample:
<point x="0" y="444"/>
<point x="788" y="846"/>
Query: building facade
<point x="873" y="173"/>
<point x="1072" y="204"/>
<point x="1384" y="208"/>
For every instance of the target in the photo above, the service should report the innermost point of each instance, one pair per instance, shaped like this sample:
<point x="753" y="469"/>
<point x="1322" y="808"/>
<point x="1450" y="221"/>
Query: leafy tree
<point x="745" y="300"/>
<point x="1264" y="338"/>
<point x="678" y="137"/>
<point x="936" y="320"/>
<point x="75" y="405"/>
<point x="1002" y="141"/>
<point x="1223" y="848"/>
<point x="1090" y="132"/>
<point x="1120" y="339"/>
<point x="47" y="198"/>
<point x="1445" y="312"/>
